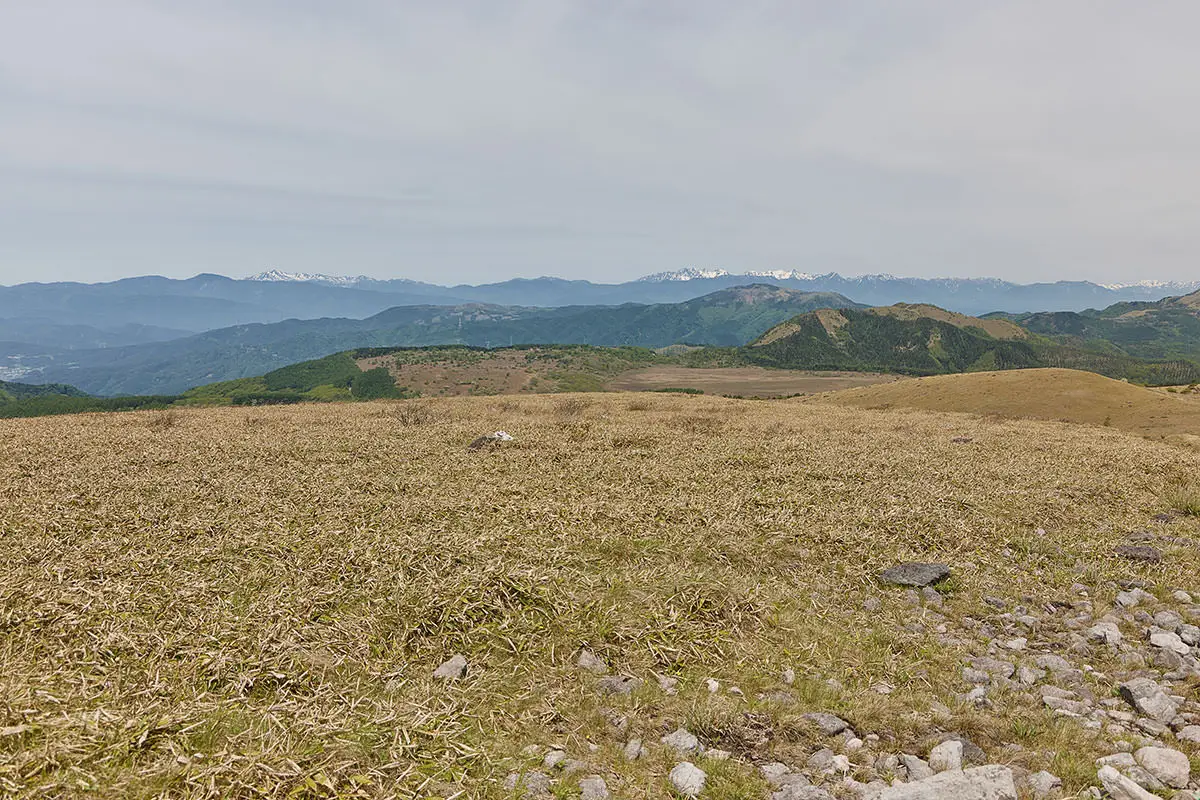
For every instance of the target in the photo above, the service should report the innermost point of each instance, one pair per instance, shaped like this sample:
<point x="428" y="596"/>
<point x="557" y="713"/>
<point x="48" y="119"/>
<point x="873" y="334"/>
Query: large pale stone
<point x="992" y="782"/>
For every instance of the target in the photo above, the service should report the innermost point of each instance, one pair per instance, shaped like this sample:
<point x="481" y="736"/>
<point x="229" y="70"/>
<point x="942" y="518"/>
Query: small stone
<point x="717" y="755"/>
<point x="1120" y="787"/>
<point x="1170" y="641"/>
<point x="1017" y="644"/>
<point x="872" y="604"/>
<point x="1169" y="766"/>
<point x="1139" y="552"/>
<point x="915" y="574"/>
<point x="688" y="779"/>
<point x="1105" y="633"/>
<point x="452" y="669"/>
<point x="947" y="755"/>
<point x="713" y="685"/>
<point x="667" y="683"/>
<point x="775" y="772"/>
<point x="1148" y="698"/>
<point x="1028" y="676"/>
<point x="800" y="791"/>
<point x="1189" y="634"/>
<point x="932" y="597"/>
<point x="1181" y="596"/>
<point x="634" y="749"/>
<point x="789" y="676"/>
<point x="681" y="740"/>
<point x="852" y="744"/>
<point x="1043" y="785"/>
<point x="995" y="667"/>
<point x="821" y="761"/>
<point x="1190" y="733"/>
<point x="917" y="768"/>
<point x="532" y="784"/>
<point x="593" y="787"/>
<point x="618" y="684"/>
<point x="554" y="758"/>
<point x="829" y="724"/>
<point x="591" y="662"/>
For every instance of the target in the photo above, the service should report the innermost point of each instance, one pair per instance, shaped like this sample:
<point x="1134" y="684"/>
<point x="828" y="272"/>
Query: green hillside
<point x="1167" y="329"/>
<point x="922" y="345"/>
<point x="39" y="400"/>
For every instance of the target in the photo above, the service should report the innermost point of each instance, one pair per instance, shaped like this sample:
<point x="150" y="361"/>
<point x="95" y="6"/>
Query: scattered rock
<point x="667" y="683"/>
<point x="682" y="740"/>
<point x="634" y="749"/>
<point x="1139" y="552"/>
<point x="916" y="768"/>
<point x="591" y="662"/>
<point x="1133" y="597"/>
<point x="1169" y="641"/>
<point x="593" y="787"/>
<point x="789" y="676"/>
<point x="995" y="667"/>
<point x="532" y="784"/>
<point x="1148" y="698"/>
<point x="1120" y="787"/>
<point x="915" y="574"/>
<point x="775" y="772"/>
<point x="991" y="782"/>
<point x="1169" y="766"/>
<point x="489" y="439"/>
<point x="717" y="755"/>
<point x="799" y="791"/>
<point x="688" y="779"/>
<point x="452" y="669"/>
<point x="1190" y="733"/>
<point x="946" y="756"/>
<point x="618" y="684"/>
<point x="1043" y="785"/>
<point x="829" y="724"/>
<point x="1105" y="633"/>
<point x="554" y="758"/>
<point x="713" y="685"/>
<point x="1181" y="596"/>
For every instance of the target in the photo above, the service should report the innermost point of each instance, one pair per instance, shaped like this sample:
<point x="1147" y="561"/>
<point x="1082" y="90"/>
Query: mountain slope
<point x="1169" y="328"/>
<point x="727" y="318"/>
<point x="912" y="340"/>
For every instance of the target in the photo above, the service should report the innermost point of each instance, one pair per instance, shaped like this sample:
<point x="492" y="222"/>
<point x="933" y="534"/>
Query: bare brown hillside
<point x="1056" y="394"/>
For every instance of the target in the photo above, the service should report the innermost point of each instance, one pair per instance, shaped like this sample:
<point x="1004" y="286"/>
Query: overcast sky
<point x="602" y="139"/>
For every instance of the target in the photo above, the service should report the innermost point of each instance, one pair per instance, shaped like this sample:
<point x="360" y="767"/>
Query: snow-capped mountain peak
<point x="686" y="274"/>
<point x="279" y="276"/>
<point x="1183" y="286"/>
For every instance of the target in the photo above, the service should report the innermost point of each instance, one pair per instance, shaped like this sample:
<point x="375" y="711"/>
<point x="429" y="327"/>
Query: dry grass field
<point x="1056" y="394"/>
<point x="250" y="602"/>
<point x="745" y="381"/>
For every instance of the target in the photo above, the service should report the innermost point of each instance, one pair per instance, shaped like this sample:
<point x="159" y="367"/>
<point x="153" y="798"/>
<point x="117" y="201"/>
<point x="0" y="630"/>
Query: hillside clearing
<point x="250" y="602"/>
<point x="1058" y="394"/>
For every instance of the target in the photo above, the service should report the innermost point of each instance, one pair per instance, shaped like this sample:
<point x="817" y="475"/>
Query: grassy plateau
<point x="251" y="601"/>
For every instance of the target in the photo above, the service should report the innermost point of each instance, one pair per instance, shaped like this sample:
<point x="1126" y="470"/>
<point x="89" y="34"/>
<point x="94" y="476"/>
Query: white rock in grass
<point x="1044" y="785"/>
<point x="452" y="669"/>
<point x="947" y="755"/>
<point x="916" y="767"/>
<point x="1169" y="766"/>
<point x="688" y="779"/>
<point x="992" y="782"/>
<point x="634" y="749"/>
<point x="591" y="662"/>
<point x="682" y="740"/>
<point x="593" y="787"/>
<point x="1120" y="787"/>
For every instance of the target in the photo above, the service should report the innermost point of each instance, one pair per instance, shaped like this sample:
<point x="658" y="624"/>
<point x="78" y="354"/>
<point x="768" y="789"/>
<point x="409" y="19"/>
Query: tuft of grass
<point x="1184" y="498"/>
<point x="163" y="420"/>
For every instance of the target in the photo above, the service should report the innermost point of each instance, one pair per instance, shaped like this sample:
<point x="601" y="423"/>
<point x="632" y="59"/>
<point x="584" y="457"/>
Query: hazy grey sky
<point x="470" y="141"/>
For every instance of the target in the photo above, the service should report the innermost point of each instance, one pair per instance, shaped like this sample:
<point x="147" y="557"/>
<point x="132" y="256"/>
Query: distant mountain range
<point x="729" y="317"/>
<point x="69" y="316"/>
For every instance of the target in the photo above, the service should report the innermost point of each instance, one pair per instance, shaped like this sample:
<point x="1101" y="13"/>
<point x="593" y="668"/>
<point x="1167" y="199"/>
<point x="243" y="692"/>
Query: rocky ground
<point x="1142" y="701"/>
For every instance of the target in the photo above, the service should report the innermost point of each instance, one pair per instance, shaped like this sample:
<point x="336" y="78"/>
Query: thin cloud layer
<point x="475" y="141"/>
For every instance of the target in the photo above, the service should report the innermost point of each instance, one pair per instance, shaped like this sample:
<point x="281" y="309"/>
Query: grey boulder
<point x="915" y="573"/>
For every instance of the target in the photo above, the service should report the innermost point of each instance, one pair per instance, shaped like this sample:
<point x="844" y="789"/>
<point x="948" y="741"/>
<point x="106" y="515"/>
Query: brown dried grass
<point x="218" y="608"/>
